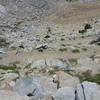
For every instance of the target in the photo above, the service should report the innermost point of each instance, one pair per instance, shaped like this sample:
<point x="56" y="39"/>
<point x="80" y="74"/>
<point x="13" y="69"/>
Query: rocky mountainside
<point x="31" y="6"/>
<point x="49" y="50"/>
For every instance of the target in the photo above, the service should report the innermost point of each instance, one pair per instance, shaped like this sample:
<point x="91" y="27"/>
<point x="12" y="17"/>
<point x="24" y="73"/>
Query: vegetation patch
<point x="63" y="49"/>
<point x="4" y="67"/>
<point x="76" y="51"/>
<point x="92" y="57"/>
<point x="3" y="42"/>
<point x="98" y="43"/>
<point x="40" y="50"/>
<point x="62" y="39"/>
<point x="13" y="48"/>
<point x="28" y="66"/>
<point x="86" y="27"/>
<point x="47" y="36"/>
<point x="73" y="61"/>
<point x="63" y="45"/>
<point x="84" y="49"/>
<point x="86" y="76"/>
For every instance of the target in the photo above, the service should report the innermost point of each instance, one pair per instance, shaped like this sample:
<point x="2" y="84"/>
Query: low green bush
<point x="47" y="36"/>
<point x="76" y="51"/>
<point x="63" y="49"/>
<point x="86" y="76"/>
<point x="4" y="67"/>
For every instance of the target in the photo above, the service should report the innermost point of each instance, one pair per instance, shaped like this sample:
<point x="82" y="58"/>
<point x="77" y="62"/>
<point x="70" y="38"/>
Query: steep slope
<point x="75" y="12"/>
<point x="33" y="6"/>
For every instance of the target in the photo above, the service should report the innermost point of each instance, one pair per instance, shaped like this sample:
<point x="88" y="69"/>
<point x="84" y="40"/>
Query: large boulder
<point x="82" y="91"/>
<point x="91" y="91"/>
<point x="66" y="93"/>
<point x="65" y="79"/>
<point x="88" y="91"/>
<point x="87" y="62"/>
<point x="35" y="86"/>
<point x="50" y="63"/>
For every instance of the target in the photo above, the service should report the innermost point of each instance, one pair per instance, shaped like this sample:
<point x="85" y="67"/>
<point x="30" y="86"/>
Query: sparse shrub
<point x="48" y="30"/>
<point x="47" y="36"/>
<point x="63" y="49"/>
<point x="86" y="76"/>
<point x="14" y="71"/>
<point x="63" y="45"/>
<point x="87" y="26"/>
<point x="84" y="49"/>
<point x="76" y="51"/>
<point x="3" y="42"/>
<point x="28" y="66"/>
<point x="92" y="57"/>
<point x="10" y="69"/>
<point x="82" y="31"/>
<point x="4" y="67"/>
<point x="40" y="50"/>
<point x="13" y="47"/>
<point x="73" y="61"/>
<point x="62" y="39"/>
<point x="98" y="43"/>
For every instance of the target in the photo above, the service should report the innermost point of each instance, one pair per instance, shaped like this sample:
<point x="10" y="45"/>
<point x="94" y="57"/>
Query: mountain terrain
<point x="49" y="50"/>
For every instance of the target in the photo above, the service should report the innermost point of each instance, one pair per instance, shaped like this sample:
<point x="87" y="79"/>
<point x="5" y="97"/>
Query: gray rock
<point x="91" y="90"/>
<point x="2" y="11"/>
<point x="35" y="86"/>
<point x="79" y="92"/>
<point x="38" y="63"/>
<point x="83" y="91"/>
<point x="88" y="91"/>
<point x="87" y="62"/>
<point x="10" y="76"/>
<point x="66" y="93"/>
<point x="2" y="51"/>
<point x="42" y="46"/>
<point x="50" y="63"/>
<point x="26" y="87"/>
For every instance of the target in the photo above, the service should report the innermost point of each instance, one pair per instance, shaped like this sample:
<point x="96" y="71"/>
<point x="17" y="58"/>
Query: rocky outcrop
<point x="35" y="86"/>
<point x="88" y="91"/>
<point x="65" y="79"/>
<point x="66" y="93"/>
<point x="87" y="62"/>
<point x="35" y="6"/>
<point x="84" y="91"/>
<point x="44" y="88"/>
<point x="51" y="63"/>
